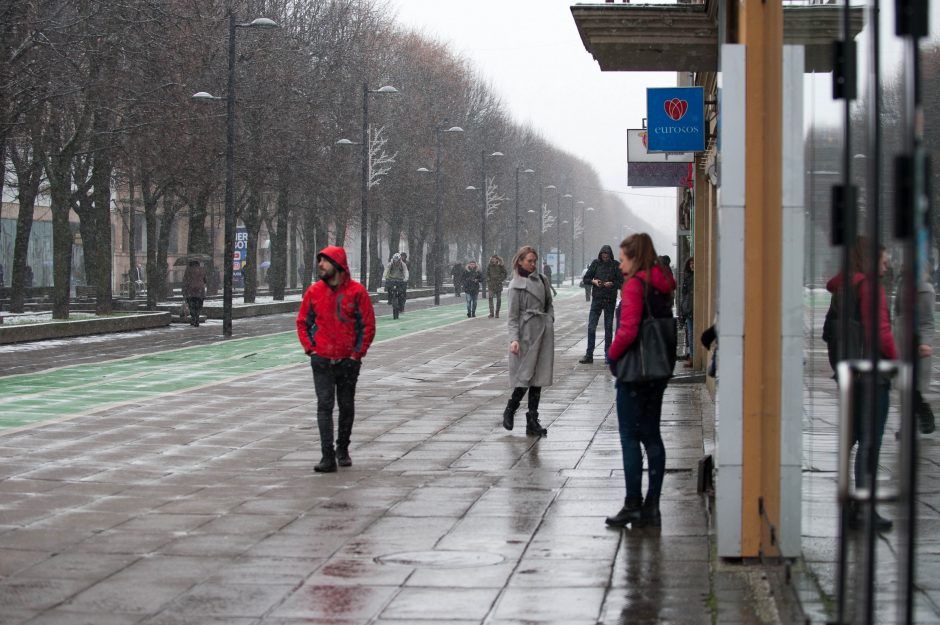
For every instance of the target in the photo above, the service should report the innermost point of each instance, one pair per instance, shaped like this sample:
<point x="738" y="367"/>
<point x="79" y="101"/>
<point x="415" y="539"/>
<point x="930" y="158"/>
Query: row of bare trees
<point x="95" y="104"/>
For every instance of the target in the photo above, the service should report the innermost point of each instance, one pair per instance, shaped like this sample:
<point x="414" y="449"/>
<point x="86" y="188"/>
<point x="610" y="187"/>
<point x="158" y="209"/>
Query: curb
<point x="81" y="327"/>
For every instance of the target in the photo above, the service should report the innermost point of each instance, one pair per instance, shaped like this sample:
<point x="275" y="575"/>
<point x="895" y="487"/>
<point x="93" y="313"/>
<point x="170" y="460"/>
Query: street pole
<point x="438" y="218"/>
<point x="516" y="223"/>
<point x="229" y="251"/>
<point x="571" y="263"/>
<point x="483" y="221"/>
<point x="541" y="217"/>
<point x="364" y="191"/>
<point x="558" y="237"/>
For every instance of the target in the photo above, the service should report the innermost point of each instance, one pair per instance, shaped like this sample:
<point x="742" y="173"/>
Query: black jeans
<point x="195" y="306"/>
<point x="639" y="412"/>
<point x="535" y="394"/>
<point x="600" y="305"/>
<point x="335" y="382"/>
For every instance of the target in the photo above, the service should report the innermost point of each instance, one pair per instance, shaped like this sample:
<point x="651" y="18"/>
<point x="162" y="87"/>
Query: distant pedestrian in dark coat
<point x="495" y="276"/>
<point x="472" y="278"/>
<point x="194" y="290"/>
<point x="547" y="272"/>
<point x="531" y="339"/>
<point x="605" y="278"/>
<point x="686" y="299"/>
<point x="456" y="274"/>
<point x="335" y="325"/>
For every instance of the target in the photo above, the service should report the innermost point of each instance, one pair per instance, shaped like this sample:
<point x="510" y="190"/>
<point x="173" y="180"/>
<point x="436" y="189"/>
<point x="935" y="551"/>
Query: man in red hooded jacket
<point x="335" y="325"/>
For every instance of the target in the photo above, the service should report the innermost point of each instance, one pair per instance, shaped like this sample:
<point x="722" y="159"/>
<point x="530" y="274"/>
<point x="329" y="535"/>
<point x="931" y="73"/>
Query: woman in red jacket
<point x="640" y="405"/>
<point x="864" y="291"/>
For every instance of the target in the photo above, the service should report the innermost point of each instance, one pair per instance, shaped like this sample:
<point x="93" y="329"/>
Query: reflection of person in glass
<point x="863" y="292"/>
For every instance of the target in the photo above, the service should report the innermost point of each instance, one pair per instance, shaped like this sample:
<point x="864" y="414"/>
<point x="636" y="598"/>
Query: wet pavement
<point x="199" y="504"/>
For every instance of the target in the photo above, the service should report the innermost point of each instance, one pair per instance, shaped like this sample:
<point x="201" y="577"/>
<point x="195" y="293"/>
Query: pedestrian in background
<point x="456" y="274"/>
<point x="925" y="302"/>
<point x="686" y="307"/>
<point x="531" y="339"/>
<point x="586" y="286"/>
<point x="496" y="274"/>
<point x="472" y="278"/>
<point x="647" y="291"/>
<point x="194" y="290"/>
<point x="335" y="325"/>
<point x="863" y="292"/>
<point x="605" y="279"/>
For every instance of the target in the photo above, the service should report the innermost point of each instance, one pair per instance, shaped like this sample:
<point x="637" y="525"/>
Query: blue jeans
<point x="639" y="410"/>
<point x="598" y="306"/>
<point x="471" y="303"/>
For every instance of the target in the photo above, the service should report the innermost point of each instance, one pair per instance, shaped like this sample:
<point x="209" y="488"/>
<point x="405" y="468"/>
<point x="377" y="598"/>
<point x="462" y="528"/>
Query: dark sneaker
<point x="586" y="360"/>
<point x="326" y="465"/>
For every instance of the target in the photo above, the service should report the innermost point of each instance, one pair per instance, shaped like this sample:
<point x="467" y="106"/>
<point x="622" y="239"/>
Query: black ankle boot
<point x="925" y="420"/>
<point x="326" y="465"/>
<point x="532" y="425"/>
<point x="630" y="513"/>
<point x="649" y="515"/>
<point x="509" y="413"/>
<point x="342" y="457"/>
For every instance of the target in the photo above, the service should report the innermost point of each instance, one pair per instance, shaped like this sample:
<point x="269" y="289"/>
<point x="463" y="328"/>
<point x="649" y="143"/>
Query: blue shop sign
<point x="676" y="119"/>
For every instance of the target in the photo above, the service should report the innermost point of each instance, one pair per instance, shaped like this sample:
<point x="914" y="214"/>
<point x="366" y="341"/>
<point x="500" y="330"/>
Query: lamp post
<point x="589" y="209"/>
<point x="558" y="235"/>
<point x="438" y="253"/>
<point x="572" y="240"/>
<point x="484" y="202"/>
<point x="542" y="214"/>
<point x="516" y="229"/>
<point x="366" y="173"/>
<point x="229" y="251"/>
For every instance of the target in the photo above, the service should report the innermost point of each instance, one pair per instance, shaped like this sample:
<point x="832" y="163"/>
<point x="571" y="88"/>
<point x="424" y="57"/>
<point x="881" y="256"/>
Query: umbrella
<point x="185" y="258"/>
<point x="265" y="264"/>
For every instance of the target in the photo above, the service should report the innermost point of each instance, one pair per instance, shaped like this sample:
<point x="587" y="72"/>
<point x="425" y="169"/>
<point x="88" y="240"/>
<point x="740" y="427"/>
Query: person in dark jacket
<point x="605" y="279"/>
<point x="335" y="325"/>
<point x="496" y="274"/>
<point x="685" y="306"/>
<point x="456" y="274"/>
<point x="472" y="278"/>
<point x="194" y="290"/>
<point x="640" y="404"/>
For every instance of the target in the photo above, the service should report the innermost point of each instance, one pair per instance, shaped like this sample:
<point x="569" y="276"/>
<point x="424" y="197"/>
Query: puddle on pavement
<point x="442" y="559"/>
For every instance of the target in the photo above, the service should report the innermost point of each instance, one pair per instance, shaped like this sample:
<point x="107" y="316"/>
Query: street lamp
<point x="572" y="239"/>
<point x="589" y="209"/>
<point x="366" y="173"/>
<point x="439" y="213"/>
<point x="558" y="236"/>
<point x="516" y="229"/>
<point x="484" y="207"/>
<point x="229" y="251"/>
<point x="542" y="214"/>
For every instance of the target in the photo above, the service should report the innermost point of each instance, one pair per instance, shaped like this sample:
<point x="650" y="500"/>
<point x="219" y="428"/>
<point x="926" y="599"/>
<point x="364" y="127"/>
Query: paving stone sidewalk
<point x="203" y="507"/>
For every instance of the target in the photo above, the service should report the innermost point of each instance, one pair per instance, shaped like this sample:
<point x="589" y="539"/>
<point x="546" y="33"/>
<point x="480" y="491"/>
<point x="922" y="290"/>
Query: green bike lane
<point x="70" y="391"/>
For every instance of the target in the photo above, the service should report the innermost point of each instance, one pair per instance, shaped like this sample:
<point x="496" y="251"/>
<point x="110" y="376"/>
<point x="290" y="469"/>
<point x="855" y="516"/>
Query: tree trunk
<point x="163" y="244"/>
<point x="151" y="199"/>
<point x="28" y="176"/>
<point x="198" y="235"/>
<point x="292" y="252"/>
<point x="101" y="178"/>
<point x="375" y="257"/>
<point x="251" y="216"/>
<point x="277" y="272"/>
<point x="61" y="194"/>
<point x="342" y="229"/>
<point x="309" y="225"/>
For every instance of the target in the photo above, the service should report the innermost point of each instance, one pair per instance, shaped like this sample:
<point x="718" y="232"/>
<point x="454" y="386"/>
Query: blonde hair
<point x="524" y="251"/>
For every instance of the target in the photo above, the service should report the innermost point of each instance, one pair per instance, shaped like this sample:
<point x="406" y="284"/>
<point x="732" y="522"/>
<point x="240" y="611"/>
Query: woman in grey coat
<point x="531" y="339"/>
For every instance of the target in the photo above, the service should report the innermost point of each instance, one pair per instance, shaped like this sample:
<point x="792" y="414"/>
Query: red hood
<point x="835" y="283"/>
<point x="660" y="280"/>
<point x="337" y="255"/>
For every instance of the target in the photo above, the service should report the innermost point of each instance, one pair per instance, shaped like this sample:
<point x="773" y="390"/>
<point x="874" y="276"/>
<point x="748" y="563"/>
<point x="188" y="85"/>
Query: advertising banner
<point x="638" y="152"/>
<point x="240" y="255"/>
<point x="660" y="175"/>
<point x="676" y="119"/>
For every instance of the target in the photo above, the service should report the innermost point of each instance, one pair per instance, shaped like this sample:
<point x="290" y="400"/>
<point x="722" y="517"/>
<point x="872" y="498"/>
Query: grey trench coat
<point x="532" y="323"/>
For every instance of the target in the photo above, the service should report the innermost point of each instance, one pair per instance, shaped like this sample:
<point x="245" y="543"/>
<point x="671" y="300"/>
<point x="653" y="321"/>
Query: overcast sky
<point x="532" y="54"/>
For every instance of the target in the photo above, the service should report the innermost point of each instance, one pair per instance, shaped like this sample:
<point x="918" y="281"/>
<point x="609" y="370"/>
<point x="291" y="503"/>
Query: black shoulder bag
<point x="652" y="356"/>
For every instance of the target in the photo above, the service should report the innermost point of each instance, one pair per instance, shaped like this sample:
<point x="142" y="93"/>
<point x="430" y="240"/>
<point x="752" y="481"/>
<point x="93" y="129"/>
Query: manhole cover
<point x="442" y="559"/>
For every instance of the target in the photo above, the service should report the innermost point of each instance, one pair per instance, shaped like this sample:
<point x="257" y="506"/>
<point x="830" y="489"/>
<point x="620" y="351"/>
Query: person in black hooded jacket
<point x="605" y="279"/>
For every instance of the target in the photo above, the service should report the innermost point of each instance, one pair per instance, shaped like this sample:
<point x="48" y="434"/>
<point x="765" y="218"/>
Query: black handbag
<point x="652" y="356"/>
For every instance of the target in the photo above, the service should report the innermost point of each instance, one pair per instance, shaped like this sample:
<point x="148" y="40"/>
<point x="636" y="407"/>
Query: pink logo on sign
<point x="676" y="108"/>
